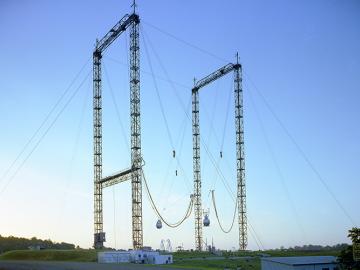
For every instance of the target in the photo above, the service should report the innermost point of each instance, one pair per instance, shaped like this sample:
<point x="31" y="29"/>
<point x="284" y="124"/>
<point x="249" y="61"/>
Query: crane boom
<point x="215" y="75"/>
<point x="116" y="31"/>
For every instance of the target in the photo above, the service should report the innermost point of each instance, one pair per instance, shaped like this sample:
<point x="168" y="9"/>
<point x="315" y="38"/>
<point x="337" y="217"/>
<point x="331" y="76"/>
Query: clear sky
<point x="302" y="57"/>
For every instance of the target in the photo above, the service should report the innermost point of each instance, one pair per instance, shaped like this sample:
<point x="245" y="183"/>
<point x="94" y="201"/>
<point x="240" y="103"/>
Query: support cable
<point x="123" y="132"/>
<point x="44" y="121"/>
<point x="277" y="166"/>
<point x="143" y="71"/>
<point x="173" y="88"/>
<point x="73" y="155"/>
<point x="186" y="42"/>
<point x="217" y="215"/>
<point x="302" y="153"/>
<point x="114" y="213"/>
<point x="157" y="212"/>
<point x="158" y="95"/>
<point x="44" y="134"/>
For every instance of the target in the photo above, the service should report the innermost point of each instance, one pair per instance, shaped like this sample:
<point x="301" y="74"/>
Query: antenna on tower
<point x="237" y="57"/>
<point x="134" y="5"/>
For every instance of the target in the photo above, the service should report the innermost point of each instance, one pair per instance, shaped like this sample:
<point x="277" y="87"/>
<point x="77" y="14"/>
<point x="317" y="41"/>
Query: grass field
<point x="51" y="255"/>
<point x="251" y="264"/>
<point x="193" y="260"/>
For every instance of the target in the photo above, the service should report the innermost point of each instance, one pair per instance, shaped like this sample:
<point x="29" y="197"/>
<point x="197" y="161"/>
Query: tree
<point x="354" y="235"/>
<point x="346" y="258"/>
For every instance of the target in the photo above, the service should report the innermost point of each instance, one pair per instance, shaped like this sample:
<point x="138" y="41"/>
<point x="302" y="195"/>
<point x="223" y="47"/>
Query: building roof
<point x="303" y="260"/>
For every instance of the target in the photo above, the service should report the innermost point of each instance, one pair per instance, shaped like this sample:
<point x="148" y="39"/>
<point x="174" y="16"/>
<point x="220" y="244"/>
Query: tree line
<point x="20" y="243"/>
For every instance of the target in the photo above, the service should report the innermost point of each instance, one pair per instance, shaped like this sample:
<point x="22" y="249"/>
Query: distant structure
<point x="168" y="247"/>
<point x="134" y="172"/>
<point x="300" y="263"/>
<point x="134" y="256"/>
<point x="240" y="156"/>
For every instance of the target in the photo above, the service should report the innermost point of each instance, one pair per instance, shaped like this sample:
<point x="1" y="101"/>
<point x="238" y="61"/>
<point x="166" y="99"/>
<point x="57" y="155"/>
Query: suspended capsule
<point x="176" y="172"/>
<point x="174" y="153"/>
<point x="221" y="154"/>
<point x="159" y="224"/>
<point x="206" y="221"/>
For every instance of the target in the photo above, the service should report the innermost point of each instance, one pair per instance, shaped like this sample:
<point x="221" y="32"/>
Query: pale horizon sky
<point x="301" y="56"/>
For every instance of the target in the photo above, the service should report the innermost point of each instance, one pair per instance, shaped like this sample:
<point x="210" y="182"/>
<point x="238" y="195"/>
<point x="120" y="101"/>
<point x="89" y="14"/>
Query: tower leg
<point x="136" y="158"/>
<point x="196" y="170"/>
<point x="99" y="235"/>
<point x="240" y="159"/>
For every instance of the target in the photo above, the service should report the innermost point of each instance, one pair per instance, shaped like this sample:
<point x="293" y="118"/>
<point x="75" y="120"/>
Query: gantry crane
<point x="134" y="172"/>
<point x="240" y="161"/>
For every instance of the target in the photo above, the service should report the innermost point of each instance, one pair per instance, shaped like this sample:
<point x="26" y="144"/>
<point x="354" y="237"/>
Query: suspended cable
<point x="188" y="116"/>
<point x="181" y="138"/>
<point x="278" y="170"/>
<point x="44" y="121"/>
<point x="213" y="111"/>
<point x="217" y="215"/>
<point x="143" y="71"/>
<point x="123" y="132"/>
<point x="172" y="225"/>
<point x="44" y="134"/>
<point x="74" y="153"/>
<point x="253" y="234"/>
<point x="114" y="218"/>
<point x="186" y="42"/>
<point x="302" y="153"/>
<point x="226" y="118"/>
<point x="172" y="87"/>
<point x="158" y="94"/>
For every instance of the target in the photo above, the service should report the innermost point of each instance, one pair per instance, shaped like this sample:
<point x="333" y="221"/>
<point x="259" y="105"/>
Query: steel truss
<point x="134" y="173"/>
<point x="240" y="161"/>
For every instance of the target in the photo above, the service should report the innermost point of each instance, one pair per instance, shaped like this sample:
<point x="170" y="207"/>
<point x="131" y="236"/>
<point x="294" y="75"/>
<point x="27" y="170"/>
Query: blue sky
<point x="302" y="57"/>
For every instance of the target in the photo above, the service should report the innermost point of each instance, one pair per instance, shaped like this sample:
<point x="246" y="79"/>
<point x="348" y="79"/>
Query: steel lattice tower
<point x="240" y="159"/>
<point x="136" y="158"/>
<point x="197" y="169"/>
<point x="134" y="172"/>
<point x="99" y="236"/>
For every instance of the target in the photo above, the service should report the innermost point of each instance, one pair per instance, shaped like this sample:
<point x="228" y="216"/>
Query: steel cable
<point x="152" y="203"/>
<point x="217" y="215"/>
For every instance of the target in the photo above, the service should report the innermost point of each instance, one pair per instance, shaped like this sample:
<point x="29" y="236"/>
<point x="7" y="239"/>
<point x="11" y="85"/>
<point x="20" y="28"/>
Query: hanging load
<point x="221" y="154"/>
<point x="206" y="221"/>
<point x="176" y="172"/>
<point x="159" y="224"/>
<point x="174" y="153"/>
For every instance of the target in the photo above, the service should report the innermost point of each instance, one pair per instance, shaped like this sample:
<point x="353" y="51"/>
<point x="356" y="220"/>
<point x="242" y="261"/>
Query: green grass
<point x="252" y="264"/>
<point x="181" y="259"/>
<point x="51" y="255"/>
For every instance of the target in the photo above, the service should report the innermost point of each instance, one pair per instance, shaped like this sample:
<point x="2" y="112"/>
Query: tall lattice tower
<point x="240" y="158"/>
<point x="134" y="172"/>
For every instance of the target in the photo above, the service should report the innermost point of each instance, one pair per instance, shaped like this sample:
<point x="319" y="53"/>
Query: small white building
<point x="134" y="256"/>
<point x="114" y="257"/>
<point x="300" y="263"/>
